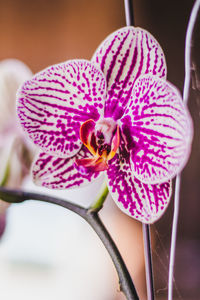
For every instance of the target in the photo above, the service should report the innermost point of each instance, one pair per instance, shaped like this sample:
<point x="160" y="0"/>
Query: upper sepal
<point x="123" y="56"/>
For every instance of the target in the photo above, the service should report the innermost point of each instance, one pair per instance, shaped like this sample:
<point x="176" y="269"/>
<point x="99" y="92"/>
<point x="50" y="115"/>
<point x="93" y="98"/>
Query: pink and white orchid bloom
<point x="14" y="150"/>
<point x="15" y="153"/>
<point x="116" y="115"/>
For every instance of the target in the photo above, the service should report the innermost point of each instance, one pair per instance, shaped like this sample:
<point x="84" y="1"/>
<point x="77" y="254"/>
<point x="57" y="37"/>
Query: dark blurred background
<point x="45" y="32"/>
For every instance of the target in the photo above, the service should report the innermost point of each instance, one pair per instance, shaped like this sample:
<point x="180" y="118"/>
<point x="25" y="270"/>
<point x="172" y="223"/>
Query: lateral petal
<point x="158" y="130"/>
<point x="55" y="102"/>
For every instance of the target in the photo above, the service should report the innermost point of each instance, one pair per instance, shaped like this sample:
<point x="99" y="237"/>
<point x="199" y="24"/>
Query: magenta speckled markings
<point x="160" y="128"/>
<point x="117" y="116"/>
<point x="54" y="103"/>
<point x="60" y="173"/>
<point x="144" y="202"/>
<point x="123" y="56"/>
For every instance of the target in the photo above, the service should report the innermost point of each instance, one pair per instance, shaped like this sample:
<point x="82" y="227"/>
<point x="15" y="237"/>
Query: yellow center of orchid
<point x="102" y="140"/>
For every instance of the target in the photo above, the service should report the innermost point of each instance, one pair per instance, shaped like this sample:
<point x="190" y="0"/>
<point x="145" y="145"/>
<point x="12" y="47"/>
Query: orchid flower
<point x="114" y="115"/>
<point x="15" y="152"/>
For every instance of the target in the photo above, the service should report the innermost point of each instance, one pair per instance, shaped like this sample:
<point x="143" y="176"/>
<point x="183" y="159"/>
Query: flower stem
<point x="148" y="261"/>
<point x="101" y="197"/>
<point x="6" y="175"/>
<point x="91" y="216"/>
<point x="125" y="281"/>
<point x="18" y="196"/>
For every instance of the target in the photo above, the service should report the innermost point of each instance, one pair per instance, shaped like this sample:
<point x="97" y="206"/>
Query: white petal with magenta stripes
<point x="60" y="173"/>
<point x="145" y="203"/>
<point x="123" y="56"/>
<point x="158" y="130"/>
<point x="55" y="102"/>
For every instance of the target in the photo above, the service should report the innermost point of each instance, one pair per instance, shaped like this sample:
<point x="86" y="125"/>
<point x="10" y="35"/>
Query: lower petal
<point x="143" y="202"/>
<point x="60" y="173"/>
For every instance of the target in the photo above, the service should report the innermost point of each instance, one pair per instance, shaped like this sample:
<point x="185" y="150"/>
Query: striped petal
<point x="143" y="202"/>
<point x="158" y="130"/>
<point x="61" y="173"/>
<point x="54" y="103"/>
<point x="123" y="56"/>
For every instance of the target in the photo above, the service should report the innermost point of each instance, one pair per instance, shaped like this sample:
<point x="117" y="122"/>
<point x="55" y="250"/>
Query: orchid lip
<point x="102" y="140"/>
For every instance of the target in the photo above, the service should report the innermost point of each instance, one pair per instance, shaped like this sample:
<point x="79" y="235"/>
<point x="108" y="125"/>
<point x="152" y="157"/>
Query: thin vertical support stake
<point x="148" y="261"/>
<point x="129" y="14"/>
<point x="186" y="90"/>
<point x="128" y="4"/>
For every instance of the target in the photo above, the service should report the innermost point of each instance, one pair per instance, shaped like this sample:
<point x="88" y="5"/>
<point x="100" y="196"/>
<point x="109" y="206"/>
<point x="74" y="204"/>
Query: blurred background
<point x="49" y="253"/>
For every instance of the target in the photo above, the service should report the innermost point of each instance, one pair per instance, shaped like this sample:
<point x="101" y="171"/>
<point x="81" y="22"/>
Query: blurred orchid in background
<point x="115" y="114"/>
<point x="15" y="152"/>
